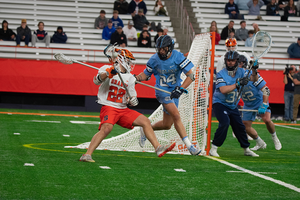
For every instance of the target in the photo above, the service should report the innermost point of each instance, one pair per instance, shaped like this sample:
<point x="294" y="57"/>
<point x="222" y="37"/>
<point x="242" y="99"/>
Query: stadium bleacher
<point x="77" y="19"/>
<point x="283" y="32"/>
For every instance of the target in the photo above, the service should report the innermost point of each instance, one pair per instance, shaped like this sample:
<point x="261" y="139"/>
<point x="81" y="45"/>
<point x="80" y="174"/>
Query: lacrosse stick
<point x="261" y="44"/>
<point x="68" y="61"/>
<point x="246" y="110"/>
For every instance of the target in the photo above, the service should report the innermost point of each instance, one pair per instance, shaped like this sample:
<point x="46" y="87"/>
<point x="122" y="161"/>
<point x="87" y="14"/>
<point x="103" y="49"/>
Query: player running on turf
<point x="255" y="96"/>
<point x="166" y="66"/>
<point x="113" y="98"/>
<point x="229" y="80"/>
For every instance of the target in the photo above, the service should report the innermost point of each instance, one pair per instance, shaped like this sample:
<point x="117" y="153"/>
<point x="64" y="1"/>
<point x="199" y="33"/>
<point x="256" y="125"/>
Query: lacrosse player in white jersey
<point x="231" y="45"/>
<point x="114" y="98"/>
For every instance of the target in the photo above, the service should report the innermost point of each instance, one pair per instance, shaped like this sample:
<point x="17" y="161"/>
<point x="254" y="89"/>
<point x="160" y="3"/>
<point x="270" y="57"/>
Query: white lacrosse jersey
<point x="112" y="93"/>
<point x="221" y="65"/>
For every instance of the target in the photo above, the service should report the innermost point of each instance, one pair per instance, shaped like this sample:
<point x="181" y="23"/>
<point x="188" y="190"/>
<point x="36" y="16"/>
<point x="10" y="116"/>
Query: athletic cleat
<point x="194" y="150"/>
<point x="213" y="152"/>
<point x="259" y="145"/>
<point x="248" y="152"/>
<point x="143" y="138"/>
<point x="162" y="150"/>
<point x="277" y="143"/>
<point x="86" y="158"/>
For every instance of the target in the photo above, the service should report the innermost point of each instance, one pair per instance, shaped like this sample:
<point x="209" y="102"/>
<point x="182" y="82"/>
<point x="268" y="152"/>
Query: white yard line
<point x="287" y="127"/>
<point x="43" y="121"/>
<point x="292" y="187"/>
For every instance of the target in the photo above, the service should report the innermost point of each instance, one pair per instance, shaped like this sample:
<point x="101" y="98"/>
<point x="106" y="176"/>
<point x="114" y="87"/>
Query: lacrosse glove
<point x="255" y="65"/>
<point x="241" y="81"/>
<point x="177" y="92"/>
<point x="133" y="101"/>
<point x="263" y="108"/>
<point x="110" y="72"/>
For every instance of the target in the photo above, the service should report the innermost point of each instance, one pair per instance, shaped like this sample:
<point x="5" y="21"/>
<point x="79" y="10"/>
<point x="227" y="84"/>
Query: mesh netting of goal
<point x="192" y="108"/>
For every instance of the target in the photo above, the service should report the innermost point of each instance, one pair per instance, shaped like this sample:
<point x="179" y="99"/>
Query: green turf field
<point x="57" y="173"/>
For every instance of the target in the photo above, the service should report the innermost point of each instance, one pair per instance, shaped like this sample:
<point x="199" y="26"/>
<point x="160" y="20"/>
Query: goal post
<point x="193" y="108"/>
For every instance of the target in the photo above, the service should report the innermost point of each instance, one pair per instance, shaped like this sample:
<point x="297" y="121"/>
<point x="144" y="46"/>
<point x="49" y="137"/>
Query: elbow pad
<point x="192" y="76"/>
<point x="97" y="80"/>
<point x="266" y="91"/>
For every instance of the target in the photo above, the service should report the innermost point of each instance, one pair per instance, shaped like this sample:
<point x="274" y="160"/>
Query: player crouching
<point x="114" y="98"/>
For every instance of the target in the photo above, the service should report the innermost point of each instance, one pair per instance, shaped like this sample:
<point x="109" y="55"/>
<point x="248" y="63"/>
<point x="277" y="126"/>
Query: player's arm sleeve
<point x="149" y="67"/>
<point x="260" y="83"/>
<point x="184" y="63"/>
<point x="131" y="87"/>
<point x="220" y="81"/>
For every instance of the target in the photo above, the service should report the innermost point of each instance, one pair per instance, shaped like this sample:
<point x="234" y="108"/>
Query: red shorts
<point x="123" y="117"/>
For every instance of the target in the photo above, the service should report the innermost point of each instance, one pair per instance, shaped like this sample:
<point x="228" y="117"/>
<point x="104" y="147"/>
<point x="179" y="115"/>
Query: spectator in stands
<point x="213" y="23"/>
<point x="166" y="30"/>
<point x="101" y="21"/>
<point x="296" y="80"/>
<point x="226" y="30"/>
<point x="248" y="42"/>
<point x="23" y="33"/>
<point x="40" y="35"/>
<point x="116" y="19"/>
<point x="242" y="33"/>
<point x="218" y="37"/>
<point x="290" y="10"/>
<point x="288" y="93"/>
<point x="136" y="5"/>
<point x="121" y="6"/>
<point x="231" y="34"/>
<point x="153" y="27"/>
<point x="159" y="33"/>
<point x="272" y="8"/>
<point x="6" y="34"/>
<point x="232" y="10"/>
<point x="130" y="31"/>
<point x="159" y="9"/>
<point x="254" y="7"/>
<point x="294" y="49"/>
<point x="119" y="37"/>
<point x="255" y="27"/>
<point x="139" y="20"/>
<point x="242" y="4"/>
<point x="108" y="30"/>
<point x="282" y="4"/>
<point x="298" y="7"/>
<point x="59" y="36"/>
<point x="144" y="40"/>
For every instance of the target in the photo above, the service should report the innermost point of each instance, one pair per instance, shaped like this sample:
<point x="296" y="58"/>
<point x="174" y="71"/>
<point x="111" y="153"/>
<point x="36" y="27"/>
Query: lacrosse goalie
<point x="115" y="92"/>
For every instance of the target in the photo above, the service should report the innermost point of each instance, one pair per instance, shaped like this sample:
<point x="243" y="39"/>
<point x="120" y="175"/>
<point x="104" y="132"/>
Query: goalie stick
<point x="68" y="61"/>
<point x="264" y="39"/>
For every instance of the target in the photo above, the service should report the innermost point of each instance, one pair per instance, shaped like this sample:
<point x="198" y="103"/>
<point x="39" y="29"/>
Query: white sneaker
<point x="259" y="145"/>
<point x="162" y="150"/>
<point x="194" y="150"/>
<point x="277" y="143"/>
<point x="213" y="151"/>
<point x="143" y="138"/>
<point x="249" y="137"/>
<point x="86" y="158"/>
<point x="248" y="152"/>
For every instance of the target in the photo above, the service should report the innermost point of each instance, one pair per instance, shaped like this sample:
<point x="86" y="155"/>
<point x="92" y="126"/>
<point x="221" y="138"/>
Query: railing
<point x="185" y="25"/>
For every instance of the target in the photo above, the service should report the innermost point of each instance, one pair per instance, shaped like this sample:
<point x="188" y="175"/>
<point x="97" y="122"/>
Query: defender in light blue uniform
<point x="166" y="66"/>
<point x="255" y="96"/>
<point x="228" y="82"/>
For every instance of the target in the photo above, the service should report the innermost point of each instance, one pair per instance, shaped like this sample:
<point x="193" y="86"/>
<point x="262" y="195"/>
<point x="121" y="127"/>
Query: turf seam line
<point x="287" y="185"/>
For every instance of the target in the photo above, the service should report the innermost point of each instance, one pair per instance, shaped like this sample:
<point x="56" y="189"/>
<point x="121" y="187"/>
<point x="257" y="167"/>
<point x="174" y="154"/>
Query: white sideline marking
<point x="17" y="134"/>
<point x="42" y="121"/>
<point x="43" y="115"/>
<point x="180" y="170"/>
<point x="104" y="167"/>
<point x="292" y="187"/>
<point x="256" y="172"/>
<point x="66" y="135"/>
<point x="84" y="122"/>
<point x="29" y="164"/>
<point x="287" y="127"/>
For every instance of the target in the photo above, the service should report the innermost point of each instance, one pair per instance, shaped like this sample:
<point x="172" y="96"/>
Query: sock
<point x="273" y="134"/>
<point x="257" y="138"/>
<point x="187" y="142"/>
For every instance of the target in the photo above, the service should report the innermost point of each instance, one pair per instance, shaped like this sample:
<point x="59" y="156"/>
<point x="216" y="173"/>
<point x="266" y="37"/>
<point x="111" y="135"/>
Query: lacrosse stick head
<point x="261" y="44"/>
<point x="63" y="59"/>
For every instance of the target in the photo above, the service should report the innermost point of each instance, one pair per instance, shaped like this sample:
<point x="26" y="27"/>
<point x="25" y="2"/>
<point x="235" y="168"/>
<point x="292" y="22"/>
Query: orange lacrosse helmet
<point x="126" y="59"/>
<point x="230" y="42"/>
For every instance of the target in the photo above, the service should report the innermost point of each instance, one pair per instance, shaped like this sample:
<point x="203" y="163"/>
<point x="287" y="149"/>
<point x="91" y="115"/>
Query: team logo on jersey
<point x="105" y="117"/>
<point x="167" y="98"/>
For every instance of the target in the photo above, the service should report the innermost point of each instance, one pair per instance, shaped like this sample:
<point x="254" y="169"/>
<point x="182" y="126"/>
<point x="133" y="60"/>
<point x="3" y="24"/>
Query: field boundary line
<point x="287" y="127"/>
<point x="287" y="185"/>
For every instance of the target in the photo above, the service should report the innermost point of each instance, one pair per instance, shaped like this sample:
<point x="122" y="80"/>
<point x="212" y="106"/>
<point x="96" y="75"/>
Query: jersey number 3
<point x="164" y="80"/>
<point x="115" y="95"/>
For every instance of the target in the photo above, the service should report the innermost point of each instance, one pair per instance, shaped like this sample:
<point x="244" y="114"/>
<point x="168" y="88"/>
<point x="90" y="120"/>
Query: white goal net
<point x="192" y="108"/>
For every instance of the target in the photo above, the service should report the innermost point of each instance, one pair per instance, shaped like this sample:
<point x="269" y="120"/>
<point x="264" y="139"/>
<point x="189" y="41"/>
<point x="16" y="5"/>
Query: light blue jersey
<point x="224" y="79"/>
<point x="253" y="98"/>
<point x="167" y="74"/>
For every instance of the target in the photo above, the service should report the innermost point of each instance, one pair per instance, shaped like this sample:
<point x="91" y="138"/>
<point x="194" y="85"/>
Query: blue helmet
<point x="164" y="41"/>
<point x="243" y="59"/>
<point x="231" y="56"/>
